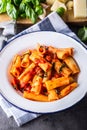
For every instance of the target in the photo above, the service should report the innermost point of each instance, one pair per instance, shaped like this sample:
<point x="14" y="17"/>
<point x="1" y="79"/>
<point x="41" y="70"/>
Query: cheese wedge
<point x="64" y="1"/>
<point x="57" y="4"/>
<point x="50" y="2"/>
<point x="80" y="8"/>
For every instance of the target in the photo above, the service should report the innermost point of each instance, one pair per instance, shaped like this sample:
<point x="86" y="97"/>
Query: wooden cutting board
<point x="68" y="18"/>
<point x="5" y="17"/>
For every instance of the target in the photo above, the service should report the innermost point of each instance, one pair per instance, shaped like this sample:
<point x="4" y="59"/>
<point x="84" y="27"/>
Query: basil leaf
<point x="3" y="5"/>
<point x="30" y="14"/>
<point x="23" y="15"/>
<point x="38" y="9"/>
<point x="8" y="1"/>
<point x="22" y="7"/>
<point x="33" y="16"/>
<point x="62" y="66"/>
<point x="28" y="11"/>
<point x="82" y="34"/>
<point x="43" y="1"/>
<point x="61" y="11"/>
<point x="11" y="11"/>
<point x="26" y="1"/>
<point x="17" y="2"/>
<point x="37" y="2"/>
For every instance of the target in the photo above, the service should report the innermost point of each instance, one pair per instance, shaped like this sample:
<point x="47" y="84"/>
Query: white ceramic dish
<point x="30" y="41"/>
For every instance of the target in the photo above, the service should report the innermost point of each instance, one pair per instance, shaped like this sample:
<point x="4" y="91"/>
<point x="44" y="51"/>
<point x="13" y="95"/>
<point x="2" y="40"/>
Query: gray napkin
<point x="7" y="30"/>
<point x="52" y="22"/>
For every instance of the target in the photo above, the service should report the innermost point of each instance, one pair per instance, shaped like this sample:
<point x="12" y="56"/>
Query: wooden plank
<point x="5" y="17"/>
<point x="68" y="18"/>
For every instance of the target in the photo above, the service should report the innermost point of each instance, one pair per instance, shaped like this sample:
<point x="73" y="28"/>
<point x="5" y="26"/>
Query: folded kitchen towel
<point x="52" y="22"/>
<point x="7" y="30"/>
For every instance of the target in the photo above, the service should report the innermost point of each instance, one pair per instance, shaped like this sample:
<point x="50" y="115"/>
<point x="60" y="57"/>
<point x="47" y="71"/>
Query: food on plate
<point x="45" y="73"/>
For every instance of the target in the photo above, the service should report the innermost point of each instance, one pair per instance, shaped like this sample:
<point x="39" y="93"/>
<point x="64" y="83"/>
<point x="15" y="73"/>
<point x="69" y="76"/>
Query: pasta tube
<point x="25" y="61"/>
<point x="35" y="97"/>
<point x="15" y="72"/>
<point x="16" y="66"/>
<point x="17" y="61"/>
<point x="26" y="75"/>
<point x="52" y="49"/>
<point x="64" y="52"/>
<point x="44" y="65"/>
<point x="68" y="89"/>
<point x="62" y="68"/>
<point x="41" y="49"/>
<point x="58" y="82"/>
<point x="47" y="75"/>
<point x="27" y="70"/>
<point x="52" y="95"/>
<point x="36" y="85"/>
<point x="71" y="63"/>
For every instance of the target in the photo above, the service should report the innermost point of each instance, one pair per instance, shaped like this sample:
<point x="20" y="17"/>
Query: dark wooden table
<point x="73" y="118"/>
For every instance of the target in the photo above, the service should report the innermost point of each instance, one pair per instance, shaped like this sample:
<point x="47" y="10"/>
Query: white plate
<point x="30" y="41"/>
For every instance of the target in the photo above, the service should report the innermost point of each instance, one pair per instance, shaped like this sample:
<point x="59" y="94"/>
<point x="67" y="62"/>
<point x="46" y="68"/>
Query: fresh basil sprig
<point x="17" y="2"/>
<point x="11" y="11"/>
<point x="22" y="8"/>
<point x="82" y="34"/>
<point x="3" y="5"/>
<point x="60" y="11"/>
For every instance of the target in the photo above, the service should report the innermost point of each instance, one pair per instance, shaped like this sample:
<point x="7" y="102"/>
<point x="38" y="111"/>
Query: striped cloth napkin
<point x="52" y="22"/>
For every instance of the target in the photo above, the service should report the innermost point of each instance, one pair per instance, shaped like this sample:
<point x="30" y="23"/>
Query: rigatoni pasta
<point x="62" y="66"/>
<point x="65" y="52"/>
<point x="38" y="59"/>
<point x="45" y="73"/>
<point x="25" y="61"/>
<point x="16" y="67"/>
<point x="71" y="63"/>
<point x="58" y="82"/>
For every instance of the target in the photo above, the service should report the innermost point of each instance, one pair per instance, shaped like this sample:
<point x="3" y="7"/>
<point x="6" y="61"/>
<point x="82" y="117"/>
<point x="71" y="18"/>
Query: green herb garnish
<point x="62" y="66"/>
<point x="82" y="34"/>
<point x="60" y="11"/>
<point x="22" y="8"/>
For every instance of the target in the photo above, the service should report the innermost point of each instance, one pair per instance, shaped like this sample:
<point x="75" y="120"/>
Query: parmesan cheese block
<point x="50" y="2"/>
<point x="64" y="1"/>
<point x="57" y="4"/>
<point x="80" y="8"/>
